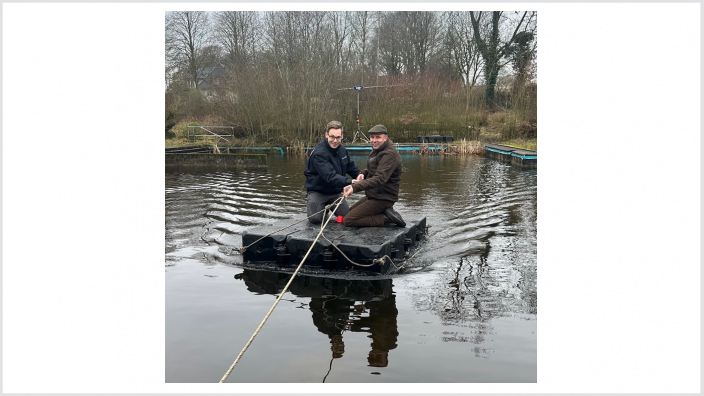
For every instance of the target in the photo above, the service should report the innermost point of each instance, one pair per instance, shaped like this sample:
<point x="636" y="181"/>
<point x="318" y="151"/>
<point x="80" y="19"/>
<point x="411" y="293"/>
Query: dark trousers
<point x="317" y="202"/>
<point x="368" y="213"/>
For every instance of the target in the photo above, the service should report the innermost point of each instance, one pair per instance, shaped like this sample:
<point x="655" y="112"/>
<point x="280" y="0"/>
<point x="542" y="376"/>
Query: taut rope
<point x="322" y="227"/>
<point x="244" y="248"/>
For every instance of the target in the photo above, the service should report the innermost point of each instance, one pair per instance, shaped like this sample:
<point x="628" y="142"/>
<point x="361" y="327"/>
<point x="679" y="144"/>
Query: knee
<point x="342" y="211"/>
<point x="317" y="219"/>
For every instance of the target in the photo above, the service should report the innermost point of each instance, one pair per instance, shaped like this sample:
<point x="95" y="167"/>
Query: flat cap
<point x="378" y="129"/>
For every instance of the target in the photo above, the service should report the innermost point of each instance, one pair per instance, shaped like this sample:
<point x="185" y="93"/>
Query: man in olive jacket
<point x="325" y="173"/>
<point x="380" y="184"/>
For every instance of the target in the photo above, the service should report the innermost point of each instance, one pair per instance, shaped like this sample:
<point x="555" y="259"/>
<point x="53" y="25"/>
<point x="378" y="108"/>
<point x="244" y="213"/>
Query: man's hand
<point x="360" y="177"/>
<point x="347" y="190"/>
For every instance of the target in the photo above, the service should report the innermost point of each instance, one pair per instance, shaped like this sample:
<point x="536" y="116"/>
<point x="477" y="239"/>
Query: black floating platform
<point x="362" y="245"/>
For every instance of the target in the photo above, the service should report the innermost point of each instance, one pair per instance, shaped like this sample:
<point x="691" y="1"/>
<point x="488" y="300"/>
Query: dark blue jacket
<point x="326" y="169"/>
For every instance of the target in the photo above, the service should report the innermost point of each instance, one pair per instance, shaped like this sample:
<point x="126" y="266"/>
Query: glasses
<point x="333" y="138"/>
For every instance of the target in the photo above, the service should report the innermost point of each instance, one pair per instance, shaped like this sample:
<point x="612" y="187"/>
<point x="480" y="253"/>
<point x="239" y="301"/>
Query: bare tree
<point x="362" y="29"/>
<point x="495" y="34"/>
<point x="408" y="40"/>
<point x="389" y="45"/>
<point x="299" y="48"/>
<point x="187" y="36"/>
<point x="341" y="26"/>
<point x="423" y="35"/>
<point x="466" y="55"/>
<point x="236" y="32"/>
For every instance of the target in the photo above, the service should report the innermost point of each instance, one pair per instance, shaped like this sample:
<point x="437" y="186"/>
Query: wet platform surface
<point x="358" y="248"/>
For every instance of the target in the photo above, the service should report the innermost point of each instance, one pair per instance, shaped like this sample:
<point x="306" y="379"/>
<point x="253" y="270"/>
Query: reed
<point x="297" y="148"/>
<point x="460" y="147"/>
<point x="422" y="150"/>
<point x="465" y="147"/>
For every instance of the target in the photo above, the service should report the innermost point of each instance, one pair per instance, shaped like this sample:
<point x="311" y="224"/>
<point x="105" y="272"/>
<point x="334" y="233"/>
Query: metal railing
<point x="210" y="133"/>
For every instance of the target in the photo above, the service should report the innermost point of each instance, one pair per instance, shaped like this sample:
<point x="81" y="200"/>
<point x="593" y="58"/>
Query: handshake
<point x="348" y="189"/>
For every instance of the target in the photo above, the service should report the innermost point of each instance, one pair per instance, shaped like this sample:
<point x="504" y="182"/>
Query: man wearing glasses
<point x="325" y="173"/>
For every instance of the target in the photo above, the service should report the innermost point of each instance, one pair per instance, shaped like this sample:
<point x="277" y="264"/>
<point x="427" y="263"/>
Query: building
<point x="208" y="77"/>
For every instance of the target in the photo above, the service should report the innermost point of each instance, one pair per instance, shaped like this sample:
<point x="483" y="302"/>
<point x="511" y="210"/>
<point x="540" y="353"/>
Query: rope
<point x="379" y="261"/>
<point x="408" y="260"/>
<point x="322" y="226"/>
<point x="242" y="249"/>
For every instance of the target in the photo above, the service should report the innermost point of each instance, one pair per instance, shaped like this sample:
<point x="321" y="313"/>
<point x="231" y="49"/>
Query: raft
<point x="366" y="249"/>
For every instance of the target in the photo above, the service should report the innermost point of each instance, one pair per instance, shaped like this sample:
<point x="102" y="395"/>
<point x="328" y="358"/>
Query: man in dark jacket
<point x="380" y="184"/>
<point x="325" y="173"/>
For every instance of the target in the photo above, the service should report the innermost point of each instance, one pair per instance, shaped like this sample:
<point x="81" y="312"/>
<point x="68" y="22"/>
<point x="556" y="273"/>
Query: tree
<point x="494" y="38"/>
<point x="341" y="32"/>
<point x="423" y="36"/>
<point x="187" y="37"/>
<point x="362" y="27"/>
<point x="389" y="45"/>
<point x="236" y="32"/>
<point x="466" y="54"/>
<point x="300" y="50"/>
<point x="521" y="53"/>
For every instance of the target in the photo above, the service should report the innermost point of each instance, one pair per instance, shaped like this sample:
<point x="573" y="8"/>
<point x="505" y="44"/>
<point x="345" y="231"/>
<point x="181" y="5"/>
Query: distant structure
<point x="359" y="135"/>
<point x="208" y="77"/>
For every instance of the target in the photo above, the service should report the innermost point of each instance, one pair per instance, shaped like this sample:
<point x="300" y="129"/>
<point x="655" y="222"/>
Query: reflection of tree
<point x="471" y="292"/>
<point x="340" y="305"/>
<point x="477" y="292"/>
<point x="496" y="206"/>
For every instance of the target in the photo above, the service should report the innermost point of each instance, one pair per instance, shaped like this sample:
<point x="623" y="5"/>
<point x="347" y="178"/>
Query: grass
<point x="176" y="142"/>
<point x="527" y="144"/>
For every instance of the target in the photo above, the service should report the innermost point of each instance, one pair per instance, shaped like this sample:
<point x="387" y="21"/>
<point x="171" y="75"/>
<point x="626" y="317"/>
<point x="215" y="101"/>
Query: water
<point x="464" y="310"/>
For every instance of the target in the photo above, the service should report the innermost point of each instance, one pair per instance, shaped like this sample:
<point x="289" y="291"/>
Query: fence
<point x="193" y="132"/>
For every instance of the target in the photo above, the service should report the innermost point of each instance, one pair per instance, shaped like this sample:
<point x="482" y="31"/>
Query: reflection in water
<point x="474" y="278"/>
<point x="484" y="246"/>
<point x="340" y="305"/>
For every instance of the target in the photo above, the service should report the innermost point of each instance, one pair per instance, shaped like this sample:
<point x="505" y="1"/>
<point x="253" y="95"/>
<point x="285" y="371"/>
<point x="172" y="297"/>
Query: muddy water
<point x="464" y="309"/>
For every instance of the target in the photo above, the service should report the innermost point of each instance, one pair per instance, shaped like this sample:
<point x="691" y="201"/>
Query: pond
<point x="463" y="310"/>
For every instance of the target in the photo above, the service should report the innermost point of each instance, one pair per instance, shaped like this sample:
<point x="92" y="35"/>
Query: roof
<point x="205" y="75"/>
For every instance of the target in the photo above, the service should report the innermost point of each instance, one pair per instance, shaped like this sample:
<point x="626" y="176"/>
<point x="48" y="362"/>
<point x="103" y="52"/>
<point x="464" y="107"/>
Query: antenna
<point x="358" y="88"/>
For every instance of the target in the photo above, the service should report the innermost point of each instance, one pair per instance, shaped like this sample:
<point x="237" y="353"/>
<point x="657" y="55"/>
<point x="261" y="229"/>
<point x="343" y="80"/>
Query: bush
<point x="169" y="123"/>
<point x="527" y="130"/>
<point x="180" y="130"/>
<point x="479" y="119"/>
<point x="508" y="130"/>
<point x="498" y="118"/>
